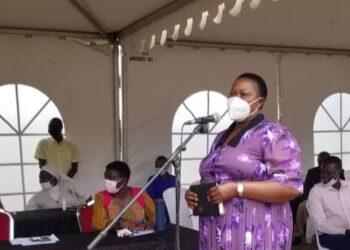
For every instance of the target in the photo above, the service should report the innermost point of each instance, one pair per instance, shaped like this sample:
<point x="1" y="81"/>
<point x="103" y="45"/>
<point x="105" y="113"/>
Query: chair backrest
<point x="84" y="215"/>
<point x="185" y="215"/>
<point x="6" y="226"/>
<point x="310" y="230"/>
<point x="310" y="220"/>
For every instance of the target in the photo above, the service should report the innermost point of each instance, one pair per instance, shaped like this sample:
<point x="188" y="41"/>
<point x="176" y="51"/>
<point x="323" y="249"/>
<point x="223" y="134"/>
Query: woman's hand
<point x="147" y="225"/>
<point x="128" y="224"/>
<point x="191" y="199"/>
<point x="222" y="192"/>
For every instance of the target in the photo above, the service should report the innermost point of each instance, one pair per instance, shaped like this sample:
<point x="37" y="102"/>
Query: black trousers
<point x="335" y="242"/>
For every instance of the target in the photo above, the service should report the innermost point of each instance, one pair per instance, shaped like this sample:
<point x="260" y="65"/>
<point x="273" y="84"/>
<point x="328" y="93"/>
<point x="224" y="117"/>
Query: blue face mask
<point x="333" y="181"/>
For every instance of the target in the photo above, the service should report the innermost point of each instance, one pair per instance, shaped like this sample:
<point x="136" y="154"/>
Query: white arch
<point x="199" y="104"/>
<point x="24" y="116"/>
<point x="332" y="127"/>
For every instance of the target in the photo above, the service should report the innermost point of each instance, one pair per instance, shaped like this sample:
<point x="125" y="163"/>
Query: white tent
<point x="63" y="49"/>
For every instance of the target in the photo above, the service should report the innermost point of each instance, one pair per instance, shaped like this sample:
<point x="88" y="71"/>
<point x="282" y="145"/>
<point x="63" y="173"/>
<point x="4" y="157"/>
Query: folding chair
<point x="84" y="216"/>
<point x="313" y="225"/>
<point x="185" y="215"/>
<point x="7" y="226"/>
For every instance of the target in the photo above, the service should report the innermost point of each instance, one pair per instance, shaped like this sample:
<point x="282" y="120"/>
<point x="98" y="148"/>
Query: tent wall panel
<point x="156" y="89"/>
<point x="306" y="81"/>
<point x="80" y="82"/>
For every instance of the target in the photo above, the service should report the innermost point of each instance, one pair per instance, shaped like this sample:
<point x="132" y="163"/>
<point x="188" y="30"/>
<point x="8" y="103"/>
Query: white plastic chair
<point x="312" y="224"/>
<point x="185" y="215"/>
<point x="310" y="230"/>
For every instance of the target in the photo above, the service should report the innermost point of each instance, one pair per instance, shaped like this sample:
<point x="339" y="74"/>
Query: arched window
<point x="24" y="116"/>
<point x="332" y="127"/>
<point x="202" y="103"/>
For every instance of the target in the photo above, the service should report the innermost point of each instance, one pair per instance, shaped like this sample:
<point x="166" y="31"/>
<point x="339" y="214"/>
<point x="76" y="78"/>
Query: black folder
<point x="206" y="208"/>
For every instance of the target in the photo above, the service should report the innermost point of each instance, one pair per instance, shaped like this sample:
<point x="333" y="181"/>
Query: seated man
<point x="329" y="206"/>
<point x="313" y="177"/>
<point x="161" y="183"/>
<point x="59" y="191"/>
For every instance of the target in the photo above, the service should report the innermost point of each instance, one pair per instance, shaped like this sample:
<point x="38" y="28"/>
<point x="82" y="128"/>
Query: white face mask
<point x="333" y="181"/>
<point x="239" y="109"/>
<point x="46" y="185"/>
<point x="111" y="186"/>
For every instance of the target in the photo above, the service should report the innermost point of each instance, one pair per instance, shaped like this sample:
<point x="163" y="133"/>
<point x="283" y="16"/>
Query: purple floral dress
<point x="263" y="151"/>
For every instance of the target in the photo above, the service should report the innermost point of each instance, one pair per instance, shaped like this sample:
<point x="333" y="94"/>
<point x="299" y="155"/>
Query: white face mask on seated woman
<point x="111" y="186"/>
<point x="239" y="109"/>
<point x="46" y="185"/>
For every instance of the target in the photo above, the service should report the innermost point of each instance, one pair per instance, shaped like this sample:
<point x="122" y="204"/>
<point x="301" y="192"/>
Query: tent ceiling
<point x="300" y="23"/>
<point x="311" y="23"/>
<point x="112" y="15"/>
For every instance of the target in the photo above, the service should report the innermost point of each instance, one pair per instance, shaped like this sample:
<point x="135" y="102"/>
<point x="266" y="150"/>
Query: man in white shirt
<point x="58" y="191"/>
<point x="329" y="206"/>
<point x="56" y="150"/>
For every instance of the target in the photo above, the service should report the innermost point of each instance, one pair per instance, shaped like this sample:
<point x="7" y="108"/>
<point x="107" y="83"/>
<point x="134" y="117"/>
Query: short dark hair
<point x="161" y="157"/>
<point x="260" y="82"/>
<point x="57" y="122"/>
<point x="333" y="159"/>
<point x="322" y="156"/>
<point x="121" y="167"/>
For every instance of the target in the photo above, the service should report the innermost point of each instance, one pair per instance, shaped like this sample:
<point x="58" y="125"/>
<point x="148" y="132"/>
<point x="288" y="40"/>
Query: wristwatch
<point x="240" y="189"/>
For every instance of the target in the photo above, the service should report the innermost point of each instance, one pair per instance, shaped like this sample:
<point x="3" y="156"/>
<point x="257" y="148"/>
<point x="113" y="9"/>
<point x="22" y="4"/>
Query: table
<point x="45" y="222"/>
<point x="155" y="241"/>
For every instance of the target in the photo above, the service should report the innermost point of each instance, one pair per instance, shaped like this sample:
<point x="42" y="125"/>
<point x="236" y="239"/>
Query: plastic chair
<point x="84" y="216"/>
<point x="310" y="230"/>
<point x="185" y="215"/>
<point x="7" y="226"/>
<point x="312" y="224"/>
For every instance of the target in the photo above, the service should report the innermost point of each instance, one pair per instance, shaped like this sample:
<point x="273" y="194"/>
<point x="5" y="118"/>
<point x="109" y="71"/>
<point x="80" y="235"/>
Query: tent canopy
<point x="312" y="23"/>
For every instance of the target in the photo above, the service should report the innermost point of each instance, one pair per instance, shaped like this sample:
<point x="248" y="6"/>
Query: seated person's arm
<point x="33" y="204"/>
<point x="318" y="215"/>
<point x="72" y="172"/>
<point x="42" y="163"/>
<point x="100" y="216"/>
<point x="150" y="212"/>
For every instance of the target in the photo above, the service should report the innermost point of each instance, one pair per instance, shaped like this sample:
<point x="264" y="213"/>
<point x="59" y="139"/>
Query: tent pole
<point x="118" y="90"/>
<point x="279" y="88"/>
<point x="118" y="100"/>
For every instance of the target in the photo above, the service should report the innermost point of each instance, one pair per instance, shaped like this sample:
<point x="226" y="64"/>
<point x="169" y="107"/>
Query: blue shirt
<point x="156" y="189"/>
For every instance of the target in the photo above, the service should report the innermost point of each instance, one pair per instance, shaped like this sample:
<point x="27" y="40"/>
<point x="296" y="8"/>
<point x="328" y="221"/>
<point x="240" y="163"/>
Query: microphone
<point x="206" y="119"/>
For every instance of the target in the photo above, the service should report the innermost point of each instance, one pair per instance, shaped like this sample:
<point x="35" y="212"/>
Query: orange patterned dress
<point x="106" y="209"/>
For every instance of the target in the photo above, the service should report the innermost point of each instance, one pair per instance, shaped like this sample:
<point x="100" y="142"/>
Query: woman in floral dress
<point x="257" y="165"/>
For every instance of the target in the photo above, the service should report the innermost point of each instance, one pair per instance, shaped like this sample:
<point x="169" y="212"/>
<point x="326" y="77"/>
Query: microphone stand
<point x="175" y="157"/>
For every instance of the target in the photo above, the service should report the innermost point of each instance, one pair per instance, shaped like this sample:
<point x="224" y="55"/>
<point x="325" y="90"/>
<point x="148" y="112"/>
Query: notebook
<point x="206" y="208"/>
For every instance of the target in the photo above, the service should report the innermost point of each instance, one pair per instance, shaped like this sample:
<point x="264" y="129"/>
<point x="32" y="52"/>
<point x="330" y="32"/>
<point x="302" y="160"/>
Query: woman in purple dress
<point x="257" y="165"/>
